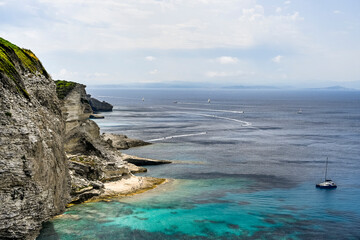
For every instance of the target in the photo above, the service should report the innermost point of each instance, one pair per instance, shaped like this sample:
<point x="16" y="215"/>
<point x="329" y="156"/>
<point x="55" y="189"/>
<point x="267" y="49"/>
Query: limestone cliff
<point x="51" y="153"/>
<point x="34" y="178"/>
<point x="93" y="161"/>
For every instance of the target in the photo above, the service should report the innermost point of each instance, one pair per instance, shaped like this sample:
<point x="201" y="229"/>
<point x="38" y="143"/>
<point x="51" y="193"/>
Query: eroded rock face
<point x="91" y="159"/>
<point x="79" y="130"/>
<point x="34" y="178"/>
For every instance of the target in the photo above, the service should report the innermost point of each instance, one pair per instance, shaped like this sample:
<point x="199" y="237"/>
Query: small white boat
<point x="209" y="100"/>
<point x="300" y="111"/>
<point x="143" y="99"/>
<point x="327" y="184"/>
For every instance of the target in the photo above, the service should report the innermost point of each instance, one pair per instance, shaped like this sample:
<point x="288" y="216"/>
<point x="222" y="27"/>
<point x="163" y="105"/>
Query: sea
<point x="245" y="165"/>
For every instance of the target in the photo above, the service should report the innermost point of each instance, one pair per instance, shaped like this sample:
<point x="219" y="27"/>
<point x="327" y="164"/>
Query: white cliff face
<point x="92" y="161"/>
<point x="34" y="178"/>
<point x="80" y="132"/>
<point x="76" y="107"/>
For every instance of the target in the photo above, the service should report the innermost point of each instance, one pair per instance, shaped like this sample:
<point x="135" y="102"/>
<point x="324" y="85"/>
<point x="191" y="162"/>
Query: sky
<point x="300" y="43"/>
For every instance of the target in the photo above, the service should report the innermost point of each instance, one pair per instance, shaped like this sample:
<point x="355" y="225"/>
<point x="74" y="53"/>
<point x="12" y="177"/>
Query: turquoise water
<point x="235" y="176"/>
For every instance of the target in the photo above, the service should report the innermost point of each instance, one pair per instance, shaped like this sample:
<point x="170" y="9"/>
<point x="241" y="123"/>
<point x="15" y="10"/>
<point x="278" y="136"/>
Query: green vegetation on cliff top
<point x="8" y="54"/>
<point x="63" y="88"/>
<point x="12" y="57"/>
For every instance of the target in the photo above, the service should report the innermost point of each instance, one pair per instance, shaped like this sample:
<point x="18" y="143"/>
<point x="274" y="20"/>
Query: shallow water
<point x="237" y="175"/>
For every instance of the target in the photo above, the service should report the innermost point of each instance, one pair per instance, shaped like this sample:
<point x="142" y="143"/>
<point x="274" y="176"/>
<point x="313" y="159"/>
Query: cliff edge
<point x="34" y="176"/>
<point x="51" y="153"/>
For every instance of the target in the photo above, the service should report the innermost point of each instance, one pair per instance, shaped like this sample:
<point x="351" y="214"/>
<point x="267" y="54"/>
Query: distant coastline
<point x="200" y="85"/>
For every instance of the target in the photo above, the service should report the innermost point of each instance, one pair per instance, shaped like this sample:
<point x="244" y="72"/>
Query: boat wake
<point x="176" y="136"/>
<point x="243" y="123"/>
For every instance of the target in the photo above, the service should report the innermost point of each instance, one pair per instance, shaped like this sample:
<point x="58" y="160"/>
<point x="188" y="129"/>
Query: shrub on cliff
<point x="63" y="88"/>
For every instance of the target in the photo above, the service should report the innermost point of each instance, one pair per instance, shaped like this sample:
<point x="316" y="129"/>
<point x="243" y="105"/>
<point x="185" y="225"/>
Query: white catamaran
<point x="327" y="184"/>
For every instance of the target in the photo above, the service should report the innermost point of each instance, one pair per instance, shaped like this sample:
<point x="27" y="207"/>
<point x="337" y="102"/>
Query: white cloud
<point x="155" y="71"/>
<point x="97" y="74"/>
<point x="227" y="60"/>
<point x="213" y="74"/>
<point x="337" y="11"/>
<point x="296" y="16"/>
<point x="80" y="25"/>
<point x="150" y="58"/>
<point x="287" y="2"/>
<point x="65" y="74"/>
<point x="278" y="10"/>
<point x="277" y="59"/>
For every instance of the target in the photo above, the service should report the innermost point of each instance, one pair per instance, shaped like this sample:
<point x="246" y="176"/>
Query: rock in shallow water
<point x="122" y="142"/>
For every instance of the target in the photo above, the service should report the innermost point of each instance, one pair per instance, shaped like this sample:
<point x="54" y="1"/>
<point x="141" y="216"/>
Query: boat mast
<point x="327" y="158"/>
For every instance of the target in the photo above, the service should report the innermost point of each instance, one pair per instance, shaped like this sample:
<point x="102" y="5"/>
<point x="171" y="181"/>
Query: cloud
<point x="65" y="74"/>
<point x="278" y="10"/>
<point x="78" y="76"/>
<point x="337" y="11"/>
<point x="150" y="58"/>
<point x="155" y="71"/>
<point x="287" y="2"/>
<point x="212" y="74"/>
<point x="227" y="60"/>
<point x="97" y="74"/>
<point x="109" y="25"/>
<point x="277" y="59"/>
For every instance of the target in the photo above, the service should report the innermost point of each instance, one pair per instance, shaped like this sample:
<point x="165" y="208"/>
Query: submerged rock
<point x="122" y="142"/>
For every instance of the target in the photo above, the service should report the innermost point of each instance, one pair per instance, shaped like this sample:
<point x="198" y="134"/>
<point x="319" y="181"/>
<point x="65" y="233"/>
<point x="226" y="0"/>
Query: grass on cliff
<point x="10" y="55"/>
<point x="63" y="88"/>
<point x="27" y="59"/>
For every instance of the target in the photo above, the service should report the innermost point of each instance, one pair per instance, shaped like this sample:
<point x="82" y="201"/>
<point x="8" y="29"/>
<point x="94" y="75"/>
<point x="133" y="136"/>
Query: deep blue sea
<point x="236" y="175"/>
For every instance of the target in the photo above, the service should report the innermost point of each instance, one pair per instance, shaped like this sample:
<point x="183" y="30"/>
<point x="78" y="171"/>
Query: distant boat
<point x="327" y="184"/>
<point x="175" y="102"/>
<point x="209" y="100"/>
<point x="300" y="111"/>
<point x="143" y="99"/>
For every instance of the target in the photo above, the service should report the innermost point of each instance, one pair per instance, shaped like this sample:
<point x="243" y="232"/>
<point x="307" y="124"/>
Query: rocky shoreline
<point x="95" y="159"/>
<point x="51" y="152"/>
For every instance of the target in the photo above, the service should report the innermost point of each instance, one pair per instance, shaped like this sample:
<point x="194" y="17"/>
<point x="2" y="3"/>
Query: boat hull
<point x="325" y="187"/>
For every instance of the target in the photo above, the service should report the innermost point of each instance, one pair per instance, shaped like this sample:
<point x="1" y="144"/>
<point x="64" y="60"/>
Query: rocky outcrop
<point x="98" y="106"/>
<point x="34" y="177"/>
<point x="122" y="142"/>
<point x="96" y="116"/>
<point x="79" y="130"/>
<point x="91" y="160"/>
<point x="139" y="161"/>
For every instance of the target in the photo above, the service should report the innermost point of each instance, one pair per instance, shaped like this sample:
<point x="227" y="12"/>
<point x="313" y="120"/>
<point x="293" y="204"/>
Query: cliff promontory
<point x="92" y="161"/>
<point x="34" y="176"/>
<point x="51" y="153"/>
